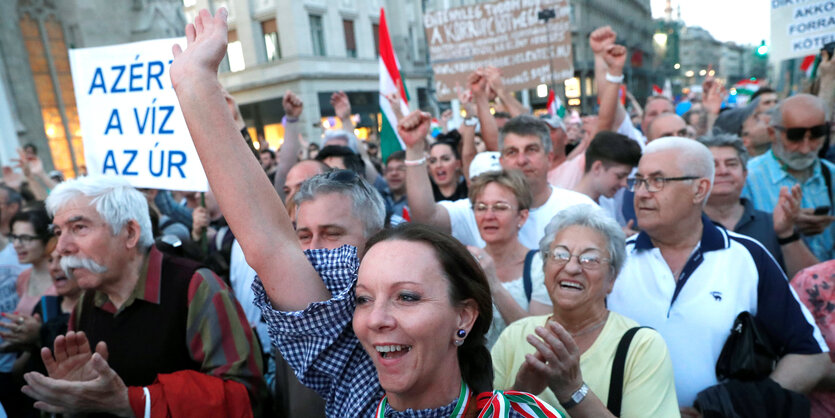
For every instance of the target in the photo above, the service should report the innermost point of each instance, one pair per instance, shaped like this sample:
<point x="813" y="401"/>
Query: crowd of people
<point x="513" y="266"/>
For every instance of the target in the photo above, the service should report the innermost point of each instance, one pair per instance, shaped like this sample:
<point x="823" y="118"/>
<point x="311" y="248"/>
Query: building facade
<point x="315" y="48"/>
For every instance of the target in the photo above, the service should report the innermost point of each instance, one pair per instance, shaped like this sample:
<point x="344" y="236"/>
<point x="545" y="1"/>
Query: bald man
<point x="797" y="128"/>
<point x="666" y="124"/>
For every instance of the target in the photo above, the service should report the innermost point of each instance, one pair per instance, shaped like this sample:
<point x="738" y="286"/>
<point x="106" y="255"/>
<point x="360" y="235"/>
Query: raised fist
<point x="615" y="57"/>
<point x="413" y="128"/>
<point x="292" y="104"/>
<point x="601" y="38"/>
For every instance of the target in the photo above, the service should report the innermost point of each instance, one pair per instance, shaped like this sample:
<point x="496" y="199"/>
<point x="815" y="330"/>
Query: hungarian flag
<point x="809" y="65"/>
<point x="657" y="91"/>
<point x="555" y="106"/>
<point x="390" y="82"/>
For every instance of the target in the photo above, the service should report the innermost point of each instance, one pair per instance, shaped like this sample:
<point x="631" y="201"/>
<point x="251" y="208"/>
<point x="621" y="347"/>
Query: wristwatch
<point x="576" y="397"/>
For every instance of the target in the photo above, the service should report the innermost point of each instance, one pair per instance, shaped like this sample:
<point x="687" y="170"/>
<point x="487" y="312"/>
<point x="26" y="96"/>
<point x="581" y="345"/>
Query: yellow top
<point x="649" y="390"/>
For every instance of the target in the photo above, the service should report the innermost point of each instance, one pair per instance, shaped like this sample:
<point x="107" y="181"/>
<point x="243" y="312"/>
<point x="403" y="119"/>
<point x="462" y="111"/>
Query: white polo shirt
<point x="465" y="229"/>
<point x="727" y="273"/>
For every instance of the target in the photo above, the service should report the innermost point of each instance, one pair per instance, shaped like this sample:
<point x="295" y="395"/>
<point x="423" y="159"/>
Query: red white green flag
<point x="390" y="82"/>
<point x="555" y="106"/>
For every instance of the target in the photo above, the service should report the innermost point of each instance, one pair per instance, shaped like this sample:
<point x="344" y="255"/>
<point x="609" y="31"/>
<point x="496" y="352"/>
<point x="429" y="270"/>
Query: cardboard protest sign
<point x="130" y="117"/>
<point x="506" y="34"/>
<point x="800" y="27"/>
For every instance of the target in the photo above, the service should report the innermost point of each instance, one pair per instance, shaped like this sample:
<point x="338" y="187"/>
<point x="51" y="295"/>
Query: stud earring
<point x="461" y="333"/>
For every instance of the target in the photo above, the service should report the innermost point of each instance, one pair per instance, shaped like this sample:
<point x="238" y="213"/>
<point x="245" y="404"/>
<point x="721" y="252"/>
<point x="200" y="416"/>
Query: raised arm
<point x="288" y="154"/>
<point x="412" y="130"/>
<point x="246" y="197"/>
<point x="342" y="106"/>
<point x="609" y="58"/>
<point x="468" y="150"/>
<point x="712" y="101"/>
<point x="477" y="82"/>
<point x="494" y="81"/>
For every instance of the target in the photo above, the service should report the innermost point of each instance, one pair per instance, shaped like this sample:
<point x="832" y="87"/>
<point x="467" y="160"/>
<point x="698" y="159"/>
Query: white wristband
<point x="147" y="394"/>
<point x="614" y="79"/>
<point x="421" y="161"/>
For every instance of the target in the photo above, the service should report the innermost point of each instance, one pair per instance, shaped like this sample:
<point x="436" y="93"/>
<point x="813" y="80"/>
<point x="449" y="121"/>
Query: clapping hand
<point x="786" y="210"/>
<point x="79" y="380"/>
<point x="20" y="330"/>
<point x="556" y="361"/>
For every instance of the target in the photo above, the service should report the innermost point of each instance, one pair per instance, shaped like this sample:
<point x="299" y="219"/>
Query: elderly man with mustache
<point x="169" y="336"/>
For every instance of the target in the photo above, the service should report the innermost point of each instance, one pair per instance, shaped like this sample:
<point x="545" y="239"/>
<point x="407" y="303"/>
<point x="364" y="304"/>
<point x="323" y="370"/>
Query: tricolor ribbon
<point x="458" y="412"/>
<point x="496" y="404"/>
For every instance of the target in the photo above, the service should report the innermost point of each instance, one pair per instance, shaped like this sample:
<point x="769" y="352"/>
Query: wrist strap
<point x="789" y="239"/>
<point x="614" y="79"/>
<point x="147" y="395"/>
<point x="421" y="161"/>
<point x="288" y="119"/>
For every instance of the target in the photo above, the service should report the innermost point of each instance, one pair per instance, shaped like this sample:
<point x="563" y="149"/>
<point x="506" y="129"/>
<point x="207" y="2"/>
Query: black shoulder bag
<point x="613" y="404"/>
<point x="747" y="354"/>
<point x="526" y="274"/>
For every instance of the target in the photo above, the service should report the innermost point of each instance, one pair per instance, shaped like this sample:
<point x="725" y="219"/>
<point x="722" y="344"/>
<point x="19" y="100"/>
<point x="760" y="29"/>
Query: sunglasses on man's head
<point x="342" y="176"/>
<point x="797" y="134"/>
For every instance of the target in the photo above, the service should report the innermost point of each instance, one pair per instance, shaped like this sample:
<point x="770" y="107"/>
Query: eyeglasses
<point x="681" y="132"/>
<point x="24" y="239"/>
<point x="797" y="134"/>
<point x="498" y="207"/>
<point x="653" y="184"/>
<point x="589" y="260"/>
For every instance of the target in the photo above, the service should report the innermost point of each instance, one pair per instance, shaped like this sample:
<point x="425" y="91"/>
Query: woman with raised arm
<point x="401" y="333"/>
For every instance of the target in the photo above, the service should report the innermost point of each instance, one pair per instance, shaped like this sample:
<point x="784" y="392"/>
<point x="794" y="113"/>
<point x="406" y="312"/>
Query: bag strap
<point x="526" y="275"/>
<point x="616" y="381"/>
<point x="827" y="178"/>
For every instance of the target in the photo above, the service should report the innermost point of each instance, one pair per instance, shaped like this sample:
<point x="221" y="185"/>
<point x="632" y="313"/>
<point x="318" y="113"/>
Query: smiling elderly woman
<point x="569" y="355"/>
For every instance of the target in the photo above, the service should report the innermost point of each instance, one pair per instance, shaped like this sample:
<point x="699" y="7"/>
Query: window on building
<point x="317" y="35"/>
<point x="375" y="30"/>
<point x="350" y="40"/>
<point x="235" y="52"/>
<point x="54" y="90"/>
<point x="270" y="30"/>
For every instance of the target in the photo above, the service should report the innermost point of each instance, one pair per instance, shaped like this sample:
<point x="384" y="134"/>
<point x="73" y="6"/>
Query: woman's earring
<point x="460" y="334"/>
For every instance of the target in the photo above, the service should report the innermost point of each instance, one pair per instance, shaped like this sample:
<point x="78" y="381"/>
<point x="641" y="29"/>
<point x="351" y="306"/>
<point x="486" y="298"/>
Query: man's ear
<point x="597" y="167"/>
<point x="702" y="189"/>
<point x="133" y="232"/>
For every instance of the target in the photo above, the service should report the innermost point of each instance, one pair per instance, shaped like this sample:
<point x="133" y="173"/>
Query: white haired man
<point x="164" y="326"/>
<point x="689" y="279"/>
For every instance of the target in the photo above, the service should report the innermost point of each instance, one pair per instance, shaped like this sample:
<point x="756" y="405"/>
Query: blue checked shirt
<point x="765" y="178"/>
<point x="321" y="347"/>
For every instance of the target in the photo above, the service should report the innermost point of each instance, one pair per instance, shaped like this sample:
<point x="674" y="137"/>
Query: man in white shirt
<point x="524" y="144"/>
<point x="689" y="279"/>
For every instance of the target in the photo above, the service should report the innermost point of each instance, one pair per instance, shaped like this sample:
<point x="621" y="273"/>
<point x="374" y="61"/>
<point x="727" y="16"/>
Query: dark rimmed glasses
<point x="653" y="184"/>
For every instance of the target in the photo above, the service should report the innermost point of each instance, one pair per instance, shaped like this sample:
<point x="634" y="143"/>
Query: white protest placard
<point x="801" y="27"/>
<point x="130" y="118"/>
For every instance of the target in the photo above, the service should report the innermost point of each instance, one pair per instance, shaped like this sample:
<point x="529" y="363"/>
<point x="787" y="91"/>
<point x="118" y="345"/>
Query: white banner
<point x="130" y="117"/>
<point x="800" y="27"/>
